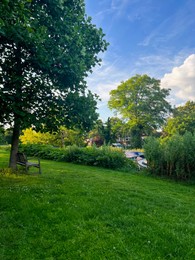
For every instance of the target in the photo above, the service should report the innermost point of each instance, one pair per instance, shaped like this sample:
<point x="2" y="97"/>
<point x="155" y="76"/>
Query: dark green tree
<point x="47" y="47"/>
<point x="142" y="102"/>
<point x="118" y="129"/>
<point x="97" y="134"/>
<point x="108" y="131"/>
<point x="115" y="129"/>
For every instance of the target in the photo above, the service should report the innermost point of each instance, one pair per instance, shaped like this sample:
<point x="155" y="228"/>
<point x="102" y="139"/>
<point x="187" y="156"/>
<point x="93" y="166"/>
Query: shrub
<point x="105" y="156"/>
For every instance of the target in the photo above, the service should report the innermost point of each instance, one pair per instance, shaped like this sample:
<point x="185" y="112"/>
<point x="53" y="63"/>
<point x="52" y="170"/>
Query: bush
<point x="105" y="156"/>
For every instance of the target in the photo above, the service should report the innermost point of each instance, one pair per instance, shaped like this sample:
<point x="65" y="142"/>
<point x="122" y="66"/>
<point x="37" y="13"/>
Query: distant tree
<point x="46" y="50"/>
<point x="8" y="135"/>
<point x="2" y="136"/>
<point x="108" y="131"/>
<point x="142" y="102"/>
<point x="97" y="134"/>
<point x="115" y="128"/>
<point x="182" y="121"/>
<point x="65" y="137"/>
<point x="5" y="135"/>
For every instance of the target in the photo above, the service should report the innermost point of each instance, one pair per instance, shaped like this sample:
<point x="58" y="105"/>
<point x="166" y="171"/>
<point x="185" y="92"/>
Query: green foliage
<point x="63" y="137"/>
<point x="8" y="135"/>
<point x="109" y="132"/>
<point x="153" y="153"/>
<point x="183" y="120"/>
<point x="2" y="136"/>
<point x="142" y="102"/>
<point x="117" y="128"/>
<point x="32" y="137"/>
<point x="105" y="156"/>
<point x="47" y="48"/>
<point x="114" y="128"/>
<point x="135" y="134"/>
<point x="173" y="157"/>
<point x="97" y="134"/>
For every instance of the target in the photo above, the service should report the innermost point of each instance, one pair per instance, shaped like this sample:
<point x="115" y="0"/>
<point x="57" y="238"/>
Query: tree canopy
<point x="47" y="48"/>
<point x="183" y="120"/>
<point x="142" y="102"/>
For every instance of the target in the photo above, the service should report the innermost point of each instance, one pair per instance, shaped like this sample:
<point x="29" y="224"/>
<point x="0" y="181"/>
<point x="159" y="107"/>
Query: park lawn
<point x="79" y="212"/>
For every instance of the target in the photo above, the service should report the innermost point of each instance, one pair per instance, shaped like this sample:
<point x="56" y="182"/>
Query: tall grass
<point x="173" y="156"/>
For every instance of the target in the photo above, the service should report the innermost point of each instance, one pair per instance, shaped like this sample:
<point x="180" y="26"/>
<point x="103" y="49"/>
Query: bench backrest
<point x="21" y="158"/>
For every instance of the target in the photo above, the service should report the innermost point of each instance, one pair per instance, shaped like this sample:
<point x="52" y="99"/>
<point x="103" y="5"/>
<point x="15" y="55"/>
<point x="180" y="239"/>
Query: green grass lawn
<point x="78" y="212"/>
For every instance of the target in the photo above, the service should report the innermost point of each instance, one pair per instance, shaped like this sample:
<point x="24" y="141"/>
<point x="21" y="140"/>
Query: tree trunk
<point x="18" y="82"/>
<point x="14" y="144"/>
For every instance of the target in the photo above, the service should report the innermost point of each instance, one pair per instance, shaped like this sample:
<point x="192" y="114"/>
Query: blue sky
<point x="154" y="37"/>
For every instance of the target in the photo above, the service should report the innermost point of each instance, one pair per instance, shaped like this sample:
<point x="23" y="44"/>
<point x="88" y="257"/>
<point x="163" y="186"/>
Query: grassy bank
<point x="82" y="212"/>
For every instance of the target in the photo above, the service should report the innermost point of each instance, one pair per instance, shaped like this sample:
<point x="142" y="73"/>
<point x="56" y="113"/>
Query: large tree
<point x="47" y="47"/>
<point x="182" y="120"/>
<point x="142" y="102"/>
<point x="115" y="130"/>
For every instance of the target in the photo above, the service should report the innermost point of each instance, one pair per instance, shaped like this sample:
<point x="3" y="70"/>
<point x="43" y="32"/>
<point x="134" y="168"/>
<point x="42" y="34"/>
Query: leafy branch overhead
<point x="46" y="49"/>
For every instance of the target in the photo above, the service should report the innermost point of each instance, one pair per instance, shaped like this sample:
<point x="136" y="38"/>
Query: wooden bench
<point x="22" y="160"/>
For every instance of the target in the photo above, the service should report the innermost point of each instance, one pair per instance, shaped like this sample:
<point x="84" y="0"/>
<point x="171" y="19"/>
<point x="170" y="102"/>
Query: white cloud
<point x="156" y="65"/>
<point x="181" y="81"/>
